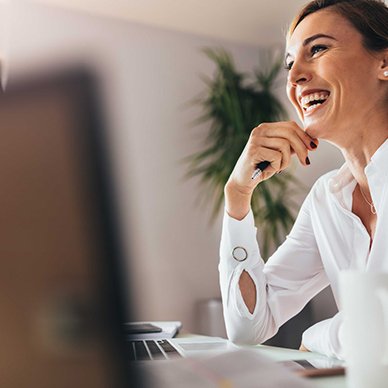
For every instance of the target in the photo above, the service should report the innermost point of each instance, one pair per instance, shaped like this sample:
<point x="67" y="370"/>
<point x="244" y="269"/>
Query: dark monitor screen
<point x="61" y="299"/>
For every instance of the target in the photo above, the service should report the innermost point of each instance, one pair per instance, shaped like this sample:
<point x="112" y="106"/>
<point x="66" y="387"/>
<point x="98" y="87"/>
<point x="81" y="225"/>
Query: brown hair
<point x="368" y="17"/>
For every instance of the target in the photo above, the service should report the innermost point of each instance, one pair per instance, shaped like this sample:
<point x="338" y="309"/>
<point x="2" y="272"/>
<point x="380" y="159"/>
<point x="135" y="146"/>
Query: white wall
<point x="149" y="75"/>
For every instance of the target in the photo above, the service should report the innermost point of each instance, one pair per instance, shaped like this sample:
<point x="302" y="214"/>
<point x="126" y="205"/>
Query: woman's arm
<point x="325" y="337"/>
<point x="278" y="289"/>
<point x="274" y="142"/>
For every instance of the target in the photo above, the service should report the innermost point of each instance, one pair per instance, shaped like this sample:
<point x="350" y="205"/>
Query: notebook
<point x="152" y="330"/>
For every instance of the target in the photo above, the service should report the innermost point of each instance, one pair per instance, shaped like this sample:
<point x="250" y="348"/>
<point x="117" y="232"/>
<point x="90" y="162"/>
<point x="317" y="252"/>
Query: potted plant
<point x="235" y="103"/>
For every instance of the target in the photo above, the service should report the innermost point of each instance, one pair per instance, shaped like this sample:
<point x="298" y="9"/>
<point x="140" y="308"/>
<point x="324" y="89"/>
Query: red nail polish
<point x="307" y="161"/>
<point x="313" y="145"/>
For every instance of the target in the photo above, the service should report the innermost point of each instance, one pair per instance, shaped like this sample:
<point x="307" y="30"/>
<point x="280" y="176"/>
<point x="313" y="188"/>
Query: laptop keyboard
<point x="141" y="350"/>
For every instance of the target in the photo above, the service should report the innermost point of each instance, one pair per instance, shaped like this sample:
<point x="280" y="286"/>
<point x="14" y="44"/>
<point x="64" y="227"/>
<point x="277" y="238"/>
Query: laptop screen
<point x="61" y="297"/>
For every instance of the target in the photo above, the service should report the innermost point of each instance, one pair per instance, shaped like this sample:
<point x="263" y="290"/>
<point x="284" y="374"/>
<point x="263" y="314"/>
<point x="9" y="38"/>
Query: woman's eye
<point x="317" y="48"/>
<point x="288" y="65"/>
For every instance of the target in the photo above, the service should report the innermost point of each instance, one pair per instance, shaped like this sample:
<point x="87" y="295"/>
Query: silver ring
<point x="235" y="254"/>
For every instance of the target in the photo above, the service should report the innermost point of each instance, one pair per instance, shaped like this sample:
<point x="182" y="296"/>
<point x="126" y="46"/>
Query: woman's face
<point x="333" y="80"/>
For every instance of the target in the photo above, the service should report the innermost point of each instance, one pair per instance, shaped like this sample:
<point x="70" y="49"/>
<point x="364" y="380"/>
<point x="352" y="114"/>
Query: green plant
<point x="234" y="104"/>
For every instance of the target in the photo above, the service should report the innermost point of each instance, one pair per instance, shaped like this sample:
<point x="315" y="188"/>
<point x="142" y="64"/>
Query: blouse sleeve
<point x="291" y="277"/>
<point x="326" y="337"/>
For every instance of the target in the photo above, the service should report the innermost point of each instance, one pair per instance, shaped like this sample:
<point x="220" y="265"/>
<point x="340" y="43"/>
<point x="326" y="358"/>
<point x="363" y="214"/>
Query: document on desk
<point x="239" y="368"/>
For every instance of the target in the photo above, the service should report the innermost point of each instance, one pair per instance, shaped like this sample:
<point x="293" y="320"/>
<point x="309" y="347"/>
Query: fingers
<point x="299" y="142"/>
<point x="302" y="348"/>
<point x="272" y="142"/>
<point x="279" y="145"/>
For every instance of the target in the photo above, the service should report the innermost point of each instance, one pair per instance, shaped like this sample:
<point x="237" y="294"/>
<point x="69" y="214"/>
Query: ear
<point x="383" y="70"/>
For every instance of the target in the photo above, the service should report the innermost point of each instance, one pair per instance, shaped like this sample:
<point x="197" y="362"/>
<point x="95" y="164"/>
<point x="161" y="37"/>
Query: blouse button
<point x="240" y="254"/>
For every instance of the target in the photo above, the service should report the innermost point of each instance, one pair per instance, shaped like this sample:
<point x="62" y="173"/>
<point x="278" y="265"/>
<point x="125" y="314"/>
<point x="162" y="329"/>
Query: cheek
<point x="341" y="74"/>
<point x="349" y="84"/>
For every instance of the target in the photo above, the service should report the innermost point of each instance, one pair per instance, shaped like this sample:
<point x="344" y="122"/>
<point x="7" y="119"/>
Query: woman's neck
<point x="358" y="154"/>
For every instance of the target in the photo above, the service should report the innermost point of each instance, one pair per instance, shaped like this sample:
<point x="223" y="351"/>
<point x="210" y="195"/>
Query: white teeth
<point x="312" y="107"/>
<point x="313" y="97"/>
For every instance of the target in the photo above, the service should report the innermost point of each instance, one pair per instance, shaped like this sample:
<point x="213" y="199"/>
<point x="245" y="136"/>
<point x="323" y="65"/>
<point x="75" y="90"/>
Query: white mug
<point x="364" y="305"/>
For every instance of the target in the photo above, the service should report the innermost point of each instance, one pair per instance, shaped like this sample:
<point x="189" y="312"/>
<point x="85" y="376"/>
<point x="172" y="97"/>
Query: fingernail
<point x="313" y="145"/>
<point x="307" y="161"/>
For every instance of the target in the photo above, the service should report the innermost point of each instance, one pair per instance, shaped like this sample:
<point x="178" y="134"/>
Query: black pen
<point x="260" y="167"/>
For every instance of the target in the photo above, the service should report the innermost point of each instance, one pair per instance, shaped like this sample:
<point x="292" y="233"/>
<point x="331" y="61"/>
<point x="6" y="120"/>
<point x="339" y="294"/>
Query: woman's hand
<point x="302" y="348"/>
<point x="274" y="142"/>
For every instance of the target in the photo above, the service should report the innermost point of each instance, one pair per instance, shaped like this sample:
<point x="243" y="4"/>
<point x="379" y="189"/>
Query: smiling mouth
<point x="314" y="100"/>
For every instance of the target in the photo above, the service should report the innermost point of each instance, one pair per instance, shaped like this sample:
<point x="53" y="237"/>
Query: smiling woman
<point x="337" y="58"/>
<point x="342" y="60"/>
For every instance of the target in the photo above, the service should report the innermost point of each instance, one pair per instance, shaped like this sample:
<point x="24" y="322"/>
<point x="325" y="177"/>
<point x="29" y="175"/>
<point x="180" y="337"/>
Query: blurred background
<point x="148" y="54"/>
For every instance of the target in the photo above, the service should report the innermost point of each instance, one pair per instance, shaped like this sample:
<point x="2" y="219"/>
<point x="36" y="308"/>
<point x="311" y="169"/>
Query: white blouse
<point x="325" y="239"/>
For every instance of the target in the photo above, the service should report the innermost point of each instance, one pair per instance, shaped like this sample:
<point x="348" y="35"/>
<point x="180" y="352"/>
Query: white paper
<point x="240" y="368"/>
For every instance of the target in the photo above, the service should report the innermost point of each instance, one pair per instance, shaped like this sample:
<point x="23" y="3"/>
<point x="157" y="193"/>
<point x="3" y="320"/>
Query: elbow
<point x="241" y="338"/>
<point x="251" y="332"/>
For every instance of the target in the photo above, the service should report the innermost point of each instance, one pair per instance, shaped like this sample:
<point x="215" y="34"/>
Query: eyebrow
<point x="309" y="40"/>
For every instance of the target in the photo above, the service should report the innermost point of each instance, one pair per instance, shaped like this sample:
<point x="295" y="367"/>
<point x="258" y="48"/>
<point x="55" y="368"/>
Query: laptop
<point x="61" y="300"/>
<point x="160" y="345"/>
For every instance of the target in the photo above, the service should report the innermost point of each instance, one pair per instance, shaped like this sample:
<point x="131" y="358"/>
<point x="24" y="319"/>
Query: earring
<point x="386" y="73"/>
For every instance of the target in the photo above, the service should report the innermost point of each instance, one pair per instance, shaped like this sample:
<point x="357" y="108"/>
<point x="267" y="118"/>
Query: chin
<point x="313" y="130"/>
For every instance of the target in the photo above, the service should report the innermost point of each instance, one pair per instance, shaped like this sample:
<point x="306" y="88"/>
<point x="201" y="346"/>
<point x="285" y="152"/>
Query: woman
<point x="337" y="61"/>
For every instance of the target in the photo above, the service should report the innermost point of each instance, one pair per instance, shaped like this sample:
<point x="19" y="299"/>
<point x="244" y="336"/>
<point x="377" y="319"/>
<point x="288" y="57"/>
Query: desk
<point x="283" y="354"/>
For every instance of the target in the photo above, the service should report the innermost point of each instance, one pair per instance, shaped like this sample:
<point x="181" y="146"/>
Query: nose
<point x="299" y="74"/>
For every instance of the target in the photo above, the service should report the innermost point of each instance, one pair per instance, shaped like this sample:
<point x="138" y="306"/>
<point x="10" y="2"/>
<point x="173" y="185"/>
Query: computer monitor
<point x="61" y="299"/>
